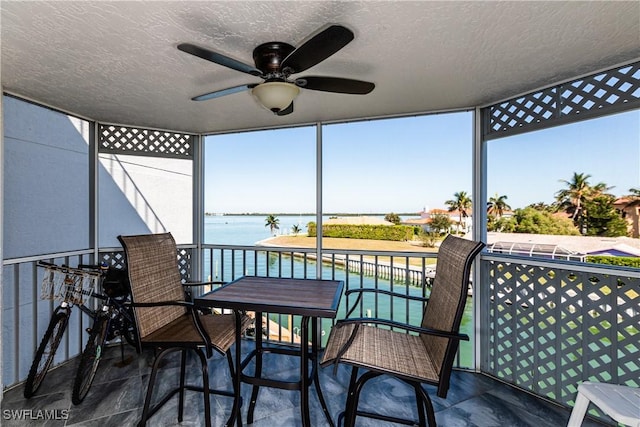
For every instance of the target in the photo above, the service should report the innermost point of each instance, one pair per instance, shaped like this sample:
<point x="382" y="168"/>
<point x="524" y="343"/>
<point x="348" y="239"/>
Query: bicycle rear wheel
<point x="45" y="353"/>
<point x="90" y="359"/>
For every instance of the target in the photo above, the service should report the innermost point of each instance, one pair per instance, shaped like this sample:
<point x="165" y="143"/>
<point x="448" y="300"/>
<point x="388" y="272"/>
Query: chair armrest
<point x="406" y="327"/>
<point x="362" y="291"/>
<point x="217" y="282"/>
<point x="188" y="285"/>
<point x="160" y="304"/>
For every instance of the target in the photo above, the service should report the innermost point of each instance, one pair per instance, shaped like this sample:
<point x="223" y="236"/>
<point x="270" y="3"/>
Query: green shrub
<point x="396" y="233"/>
<point x="615" y="260"/>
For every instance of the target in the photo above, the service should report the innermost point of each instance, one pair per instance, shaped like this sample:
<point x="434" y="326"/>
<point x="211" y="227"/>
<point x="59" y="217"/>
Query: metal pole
<point x="318" y="201"/>
<point x="198" y="209"/>
<point x="480" y="278"/>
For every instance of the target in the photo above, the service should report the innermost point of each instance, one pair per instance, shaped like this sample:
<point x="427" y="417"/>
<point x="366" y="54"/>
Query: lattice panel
<point x="603" y="90"/>
<point x="518" y="113"/>
<point x="146" y="142"/>
<point x="114" y="259"/>
<point x="550" y="329"/>
<point x="184" y="264"/>
<point x="118" y="260"/>
<point x="587" y="97"/>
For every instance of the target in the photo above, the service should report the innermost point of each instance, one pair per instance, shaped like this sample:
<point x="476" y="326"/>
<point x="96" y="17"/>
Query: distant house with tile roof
<point x="454" y="216"/>
<point x="629" y="209"/>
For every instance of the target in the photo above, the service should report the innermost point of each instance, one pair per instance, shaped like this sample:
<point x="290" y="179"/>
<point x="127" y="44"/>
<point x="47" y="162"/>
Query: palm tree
<point x="578" y="191"/>
<point x="460" y="203"/>
<point x="295" y="229"/>
<point x="635" y="193"/>
<point x="497" y="205"/>
<point x="572" y="198"/>
<point x="600" y="189"/>
<point x="541" y="206"/>
<point x="272" y="222"/>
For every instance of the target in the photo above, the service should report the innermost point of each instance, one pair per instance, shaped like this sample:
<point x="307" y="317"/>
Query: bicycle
<point x="113" y="319"/>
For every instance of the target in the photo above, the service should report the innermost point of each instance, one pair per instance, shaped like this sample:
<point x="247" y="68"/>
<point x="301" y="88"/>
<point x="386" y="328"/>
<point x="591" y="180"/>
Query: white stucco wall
<point x="46" y="197"/>
<point x="144" y="195"/>
<point x="46" y="209"/>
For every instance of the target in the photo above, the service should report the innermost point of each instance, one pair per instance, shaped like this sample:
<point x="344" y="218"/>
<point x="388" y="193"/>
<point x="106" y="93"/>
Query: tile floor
<point x="117" y="394"/>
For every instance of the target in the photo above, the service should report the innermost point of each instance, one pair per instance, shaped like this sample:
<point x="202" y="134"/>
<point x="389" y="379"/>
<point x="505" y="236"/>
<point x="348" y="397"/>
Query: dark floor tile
<point x="50" y="410"/>
<point x="109" y="398"/>
<point x="115" y="366"/>
<point x="488" y="410"/>
<point x="117" y="395"/>
<point x="122" y="419"/>
<point x="58" y="380"/>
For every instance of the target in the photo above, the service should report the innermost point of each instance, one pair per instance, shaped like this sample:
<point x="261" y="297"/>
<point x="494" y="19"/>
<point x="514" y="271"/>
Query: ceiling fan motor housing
<point x="269" y="56"/>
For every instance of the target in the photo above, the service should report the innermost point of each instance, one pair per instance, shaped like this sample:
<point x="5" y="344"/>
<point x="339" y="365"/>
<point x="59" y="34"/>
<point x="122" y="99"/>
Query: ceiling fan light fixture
<point x="275" y="96"/>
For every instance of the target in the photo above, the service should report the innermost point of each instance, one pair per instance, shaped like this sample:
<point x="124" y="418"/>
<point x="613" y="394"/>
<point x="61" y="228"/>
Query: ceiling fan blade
<point x="335" y="84"/>
<point x="219" y="59"/>
<point x="223" y="92"/>
<point x="318" y="48"/>
<point x="286" y="111"/>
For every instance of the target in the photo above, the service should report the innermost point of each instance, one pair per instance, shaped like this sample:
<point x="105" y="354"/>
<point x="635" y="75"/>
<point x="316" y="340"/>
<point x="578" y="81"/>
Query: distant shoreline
<point x="310" y="214"/>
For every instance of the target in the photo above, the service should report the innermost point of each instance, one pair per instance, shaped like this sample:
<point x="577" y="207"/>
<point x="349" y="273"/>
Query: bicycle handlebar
<point x="90" y="267"/>
<point x="49" y="264"/>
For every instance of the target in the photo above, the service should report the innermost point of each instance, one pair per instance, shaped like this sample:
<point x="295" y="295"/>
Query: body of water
<point x="248" y="229"/>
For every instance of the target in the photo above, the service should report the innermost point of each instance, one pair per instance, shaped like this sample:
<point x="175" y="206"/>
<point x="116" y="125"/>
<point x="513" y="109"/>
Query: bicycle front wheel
<point x="129" y="329"/>
<point x="90" y="359"/>
<point x="46" y="351"/>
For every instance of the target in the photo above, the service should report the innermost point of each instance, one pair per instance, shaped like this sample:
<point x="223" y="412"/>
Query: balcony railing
<point x="409" y="273"/>
<point x="546" y="325"/>
<point x="551" y="325"/>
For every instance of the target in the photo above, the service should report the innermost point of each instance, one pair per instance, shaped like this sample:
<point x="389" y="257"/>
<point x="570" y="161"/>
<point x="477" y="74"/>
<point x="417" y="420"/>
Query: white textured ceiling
<point x="117" y="62"/>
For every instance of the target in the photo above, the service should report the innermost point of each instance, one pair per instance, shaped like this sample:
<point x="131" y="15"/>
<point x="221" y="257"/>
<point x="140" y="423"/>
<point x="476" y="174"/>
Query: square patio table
<point x="311" y="299"/>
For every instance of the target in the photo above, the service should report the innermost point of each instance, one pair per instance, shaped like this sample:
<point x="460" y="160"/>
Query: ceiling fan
<point x="275" y="62"/>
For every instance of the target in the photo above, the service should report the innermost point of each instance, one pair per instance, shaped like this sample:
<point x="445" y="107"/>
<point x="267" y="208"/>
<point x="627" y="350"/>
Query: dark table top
<point x="304" y="297"/>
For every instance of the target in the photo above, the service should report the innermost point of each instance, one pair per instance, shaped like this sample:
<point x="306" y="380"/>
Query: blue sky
<point x="406" y="164"/>
<point x="607" y="148"/>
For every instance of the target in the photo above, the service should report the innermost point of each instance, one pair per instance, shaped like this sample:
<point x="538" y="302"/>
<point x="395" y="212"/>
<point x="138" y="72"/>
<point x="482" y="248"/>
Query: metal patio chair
<point x="415" y="355"/>
<point x="167" y="321"/>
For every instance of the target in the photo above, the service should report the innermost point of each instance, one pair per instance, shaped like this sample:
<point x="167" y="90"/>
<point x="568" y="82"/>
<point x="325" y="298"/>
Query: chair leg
<point x="422" y="419"/>
<point x="152" y="380"/>
<point x="205" y="387"/>
<point x="183" y="368"/>
<point x="579" y="410"/>
<point x="255" y="388"/>
<point x="236" y="416"/>
<point x="354" y="395"/>
<point x="426" y="413"/>
<point x="425" y="401"/>
<point x="349" y="419"/>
